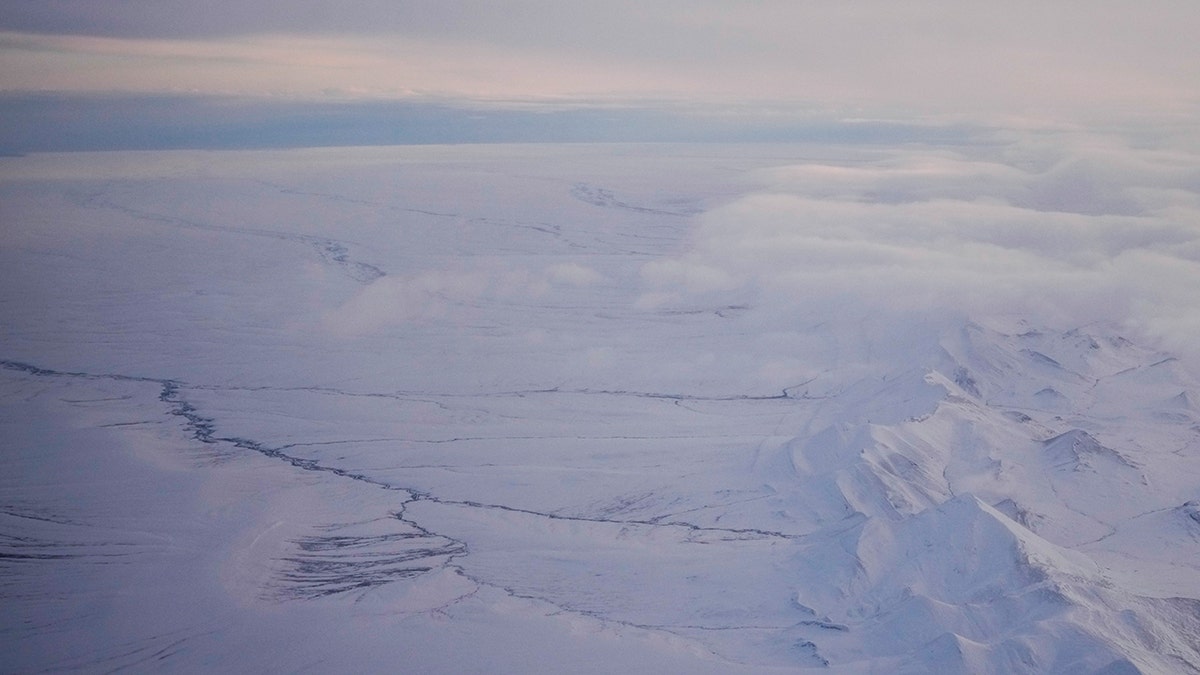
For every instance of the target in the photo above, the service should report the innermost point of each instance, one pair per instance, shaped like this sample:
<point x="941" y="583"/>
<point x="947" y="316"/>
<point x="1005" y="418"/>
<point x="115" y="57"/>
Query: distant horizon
<point x="62" y="122"/>
<point x="147" y="74"/>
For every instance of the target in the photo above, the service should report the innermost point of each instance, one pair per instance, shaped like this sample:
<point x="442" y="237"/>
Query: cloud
<point x="929" y="56"/>
<point x="392" y="301"/>
<point x="692" y="274"/>
<point x="447" y="295"/>
<point x="1094" y="230"/>
<point x="311" y="67"/>
<point x="573" y="274"/>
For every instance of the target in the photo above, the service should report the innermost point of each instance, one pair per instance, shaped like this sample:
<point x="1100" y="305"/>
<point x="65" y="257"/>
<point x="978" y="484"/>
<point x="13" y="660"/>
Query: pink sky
<point x="1049" y="60"/>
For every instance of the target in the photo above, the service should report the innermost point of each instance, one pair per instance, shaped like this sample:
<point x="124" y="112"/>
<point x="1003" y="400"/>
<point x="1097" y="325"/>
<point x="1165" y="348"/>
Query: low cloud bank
<point x="1061" y="229"/>
<point x="447" y="295"/>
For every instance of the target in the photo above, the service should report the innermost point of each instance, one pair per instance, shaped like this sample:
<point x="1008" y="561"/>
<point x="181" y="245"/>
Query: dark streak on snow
<point x="334" y="564"/>
<point x="324" y="565"/>
<point x="603" y="198"/>
<point x="541" y="227"/>
<point x="330" y="251"/>
<point x="730" y="534"/>
<point x="787" y="393"/>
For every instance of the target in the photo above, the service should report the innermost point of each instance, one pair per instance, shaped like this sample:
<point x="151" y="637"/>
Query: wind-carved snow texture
<point x="347" y="560"/>
<point x="524" y="409"/>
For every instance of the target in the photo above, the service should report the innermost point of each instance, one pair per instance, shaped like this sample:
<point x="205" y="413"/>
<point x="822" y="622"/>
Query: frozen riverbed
<point x="600" y="409"/>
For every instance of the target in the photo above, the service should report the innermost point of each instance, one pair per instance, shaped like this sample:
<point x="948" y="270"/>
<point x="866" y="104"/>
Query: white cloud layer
<point x="447" y="294"/>
<point x="931" y="56"/>
<point x="1065" y="231"/>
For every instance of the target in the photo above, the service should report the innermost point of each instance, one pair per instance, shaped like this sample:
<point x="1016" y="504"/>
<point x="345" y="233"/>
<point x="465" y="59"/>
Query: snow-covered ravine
<point x="602" y="409"/>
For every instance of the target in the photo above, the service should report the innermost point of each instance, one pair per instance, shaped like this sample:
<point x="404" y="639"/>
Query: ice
<point x="555" y="409"/>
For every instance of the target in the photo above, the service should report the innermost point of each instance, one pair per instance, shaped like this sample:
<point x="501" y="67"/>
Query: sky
<point x="220" y="73"/>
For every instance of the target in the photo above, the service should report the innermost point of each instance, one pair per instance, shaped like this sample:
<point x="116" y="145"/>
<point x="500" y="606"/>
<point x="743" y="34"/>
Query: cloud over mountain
<point x="1069" y="230"/>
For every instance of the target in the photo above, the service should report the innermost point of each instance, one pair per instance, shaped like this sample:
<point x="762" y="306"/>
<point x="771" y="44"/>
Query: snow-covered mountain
<point x="996" y="529"/>
<point x="595" y="409"/>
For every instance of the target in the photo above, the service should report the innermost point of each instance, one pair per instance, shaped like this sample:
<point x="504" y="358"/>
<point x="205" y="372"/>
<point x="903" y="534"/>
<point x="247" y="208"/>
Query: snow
<point x="556" y="408"/>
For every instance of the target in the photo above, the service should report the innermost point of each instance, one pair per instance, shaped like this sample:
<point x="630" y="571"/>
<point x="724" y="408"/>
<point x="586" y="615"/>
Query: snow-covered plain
<point x="613" y="408"/>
